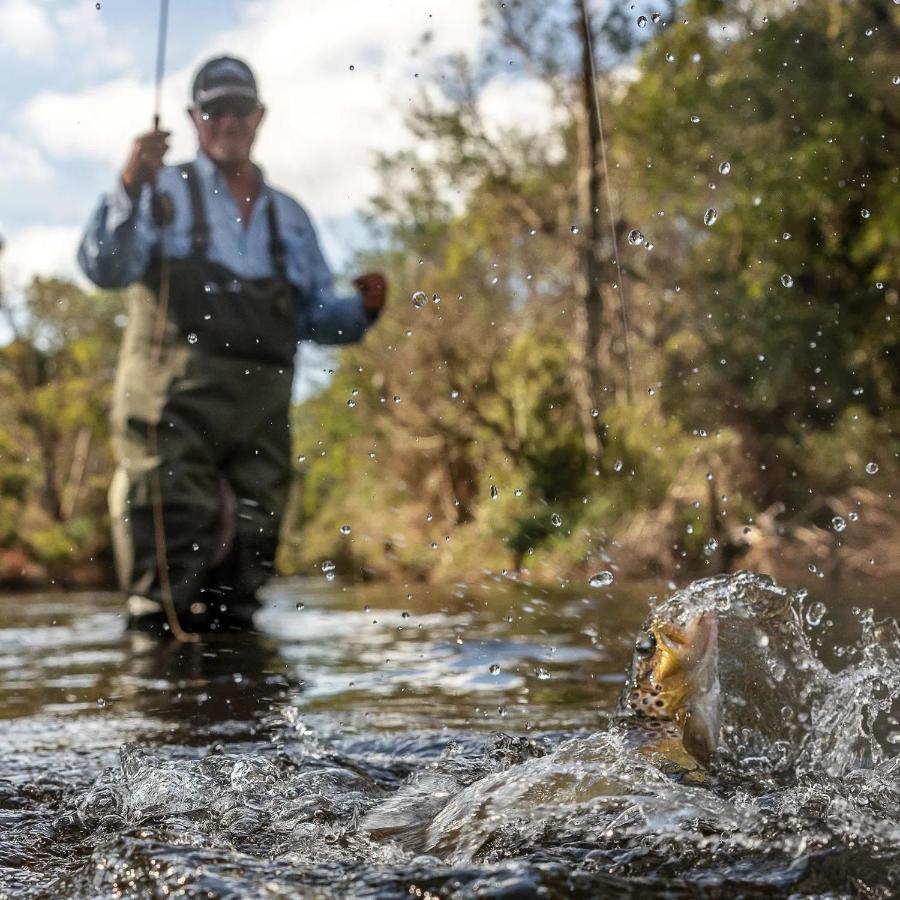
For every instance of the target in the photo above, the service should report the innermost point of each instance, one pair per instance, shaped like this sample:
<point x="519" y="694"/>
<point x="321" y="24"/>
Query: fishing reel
<point x="163" y="208"/>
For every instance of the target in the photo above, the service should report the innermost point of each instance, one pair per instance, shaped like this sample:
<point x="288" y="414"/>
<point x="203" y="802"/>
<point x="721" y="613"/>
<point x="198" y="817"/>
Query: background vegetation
<point x="501" y="415"/>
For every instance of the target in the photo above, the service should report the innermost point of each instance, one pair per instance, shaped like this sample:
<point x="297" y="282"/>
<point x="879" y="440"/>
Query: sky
<point x="336" y="77"/>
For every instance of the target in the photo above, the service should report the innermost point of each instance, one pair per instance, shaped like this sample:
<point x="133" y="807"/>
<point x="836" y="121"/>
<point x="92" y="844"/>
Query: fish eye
<point x="645" y="646"/>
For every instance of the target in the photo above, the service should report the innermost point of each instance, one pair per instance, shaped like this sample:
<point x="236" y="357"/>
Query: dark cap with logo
<point x="224" y="76"/>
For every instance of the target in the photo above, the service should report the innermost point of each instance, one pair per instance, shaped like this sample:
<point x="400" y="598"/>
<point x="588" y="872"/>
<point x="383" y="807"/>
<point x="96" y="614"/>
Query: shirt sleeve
<point x="326" y="317"/>
<point x="119" y="239"/>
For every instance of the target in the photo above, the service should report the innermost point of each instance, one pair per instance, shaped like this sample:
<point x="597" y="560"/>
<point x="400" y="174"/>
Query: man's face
<point x="226" y="130"/>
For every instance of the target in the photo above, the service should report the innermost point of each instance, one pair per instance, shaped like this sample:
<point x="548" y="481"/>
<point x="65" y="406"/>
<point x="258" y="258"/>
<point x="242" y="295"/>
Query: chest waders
<point x="219" y="398"/>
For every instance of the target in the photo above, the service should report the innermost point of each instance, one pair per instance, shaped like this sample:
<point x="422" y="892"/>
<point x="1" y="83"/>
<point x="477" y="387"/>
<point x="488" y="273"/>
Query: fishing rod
<point x="163" y="214"/>
<point x="609" y="201"/>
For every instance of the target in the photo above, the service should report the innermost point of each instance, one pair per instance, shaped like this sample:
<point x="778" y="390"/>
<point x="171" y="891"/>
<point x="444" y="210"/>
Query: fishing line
<point x="162" y="214"/>
<point x="609" y="201"/>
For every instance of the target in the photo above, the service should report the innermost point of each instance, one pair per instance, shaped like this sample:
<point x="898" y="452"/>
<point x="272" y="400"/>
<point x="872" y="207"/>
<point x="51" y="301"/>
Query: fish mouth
<point x="688" y="656"/>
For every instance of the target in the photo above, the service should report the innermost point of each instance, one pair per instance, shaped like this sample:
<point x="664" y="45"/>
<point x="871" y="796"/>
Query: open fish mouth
<point x="690" y="654"/>
<point x="675" y="679"/>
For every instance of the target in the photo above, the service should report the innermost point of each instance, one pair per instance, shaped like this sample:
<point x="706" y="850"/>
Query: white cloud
<point x="47" y="250"/>
<point x="26" y="29"/>
<point x="324" y="119"/>
<point x="19" y="162"/>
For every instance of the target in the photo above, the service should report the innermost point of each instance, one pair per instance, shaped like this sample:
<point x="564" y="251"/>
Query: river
<point x="472" y="718"/>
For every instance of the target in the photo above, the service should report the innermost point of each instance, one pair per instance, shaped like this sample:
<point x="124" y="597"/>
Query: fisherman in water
<point x="200" y="406"/>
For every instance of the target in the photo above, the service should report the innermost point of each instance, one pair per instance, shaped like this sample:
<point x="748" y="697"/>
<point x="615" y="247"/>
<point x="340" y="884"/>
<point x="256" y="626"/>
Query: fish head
<point x="675" y="678"/>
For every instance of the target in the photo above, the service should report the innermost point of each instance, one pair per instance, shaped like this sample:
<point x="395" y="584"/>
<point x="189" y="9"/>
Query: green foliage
<point x="760" y="392"/>
<point x="754" y="398"/>
<point x="55" y="381"/>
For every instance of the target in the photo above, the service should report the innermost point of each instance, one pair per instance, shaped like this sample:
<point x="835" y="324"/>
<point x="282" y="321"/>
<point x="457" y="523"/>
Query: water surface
<point x="468" y="725"/>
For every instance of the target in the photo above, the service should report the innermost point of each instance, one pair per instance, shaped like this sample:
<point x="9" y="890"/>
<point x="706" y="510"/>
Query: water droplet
<point x="695" y="120"/>
<point x="724" y="167"/>
<point x="712" y="545"/>
<point x="345" y="529"/>
<point x="542" y="673"/>
<point x="301" y="606"/>
<point x="786" y="280"/>
<point x="574" y="229"/>
<point x="642" y="21"/>
<point x="328" y="566"/>
<point x="195" y="547"/>
<point x="101" y="702"/>
<point x="556" y="519"/>
<point x="494" y="669"/>
<point x="494" y="492"/>
<point x="895" y="79"/>
<point x="655" y="17"/>
<point x="635" y="237"/>
<point x="352" y="68"/>
<point x="435" y="298"/>
<point x="617" y="465"/>
<point x="595" y="413"/>
<point x="786" y="236"/>
<point x="351" y="403"/>
<point x="518" y="492"/>
<point x="872" y="468"/>
<point x="419" y="299"/>
<point x="815" y="613"/>
<point x="865" y="213"/>
<point x="601" y="579"/>
<point x="670" y="58"/>
<point x="301" y="458"/>
<point x="710" y="217"/>
<point x="838" y="524"/>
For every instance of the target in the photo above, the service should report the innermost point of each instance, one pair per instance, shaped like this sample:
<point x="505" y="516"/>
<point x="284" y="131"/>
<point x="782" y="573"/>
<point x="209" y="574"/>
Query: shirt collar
<point x="210" y="173"/>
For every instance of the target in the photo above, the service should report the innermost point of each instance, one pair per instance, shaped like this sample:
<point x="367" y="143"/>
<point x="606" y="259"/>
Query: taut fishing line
<point x="609" y="201"/>
<point x="162" y="213"/>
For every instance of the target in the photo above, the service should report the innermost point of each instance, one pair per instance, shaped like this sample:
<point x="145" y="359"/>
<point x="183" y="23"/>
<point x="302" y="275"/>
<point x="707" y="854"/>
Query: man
<point x="226" y="276"/>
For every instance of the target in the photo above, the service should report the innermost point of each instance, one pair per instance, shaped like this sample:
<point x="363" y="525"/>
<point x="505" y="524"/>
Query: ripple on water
<point x="303" y="794"/>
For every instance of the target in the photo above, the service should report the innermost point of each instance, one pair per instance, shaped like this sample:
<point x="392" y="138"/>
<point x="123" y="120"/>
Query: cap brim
<point x="225" y="90"/>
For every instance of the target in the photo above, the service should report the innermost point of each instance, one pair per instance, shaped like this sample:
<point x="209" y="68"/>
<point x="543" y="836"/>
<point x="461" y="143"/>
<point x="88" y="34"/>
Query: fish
<point x="669" y="711"/>
<point x="670" y="708"/>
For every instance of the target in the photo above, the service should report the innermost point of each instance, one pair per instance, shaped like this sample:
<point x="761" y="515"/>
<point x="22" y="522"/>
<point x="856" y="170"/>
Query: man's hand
<point x="373" y="288"/>
<point x="145" y="160"/>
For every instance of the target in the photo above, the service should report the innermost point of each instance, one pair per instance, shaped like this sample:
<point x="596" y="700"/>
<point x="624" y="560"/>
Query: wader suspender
<point x="200" y="226"/>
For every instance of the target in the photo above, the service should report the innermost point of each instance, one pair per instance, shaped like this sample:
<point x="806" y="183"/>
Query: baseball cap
<point x="224" y="76"/>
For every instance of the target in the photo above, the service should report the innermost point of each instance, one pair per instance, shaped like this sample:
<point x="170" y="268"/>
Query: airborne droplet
<point x="601" y="580"/>
<point x="494" y="492"/>
<point x="642" y="21"/>
<point x="192" y="338"/>
<point x="872" y="468"/>
<point x="635" y="237"/>
<point x="724" y="168"/>
<point x="786" y="280"/>
<point x="815" y="613"/>
<point x="419" y="299"/>
<point x="556" y="519"/>
<point x="710" y="217"/>
<point x="838" y="524"/>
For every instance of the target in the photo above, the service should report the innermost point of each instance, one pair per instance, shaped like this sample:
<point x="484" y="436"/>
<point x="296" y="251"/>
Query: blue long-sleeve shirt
<point x="121" y="239"/>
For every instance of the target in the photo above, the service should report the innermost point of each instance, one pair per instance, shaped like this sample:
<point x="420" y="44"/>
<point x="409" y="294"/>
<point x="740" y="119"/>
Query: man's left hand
<point x="373" y="288"/>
